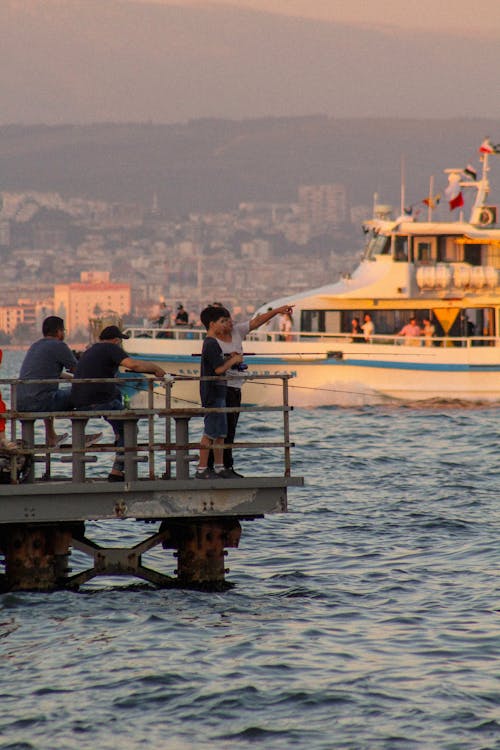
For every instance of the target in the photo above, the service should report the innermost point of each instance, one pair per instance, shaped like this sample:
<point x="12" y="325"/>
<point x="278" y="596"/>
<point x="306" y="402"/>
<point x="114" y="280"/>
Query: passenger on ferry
<point x="102" y="360"/>
<point x="368" y="327"/>
<point x="411" y="331"/>
<point x="49" y="357"/>
<point x="286" y="326"/>
<point x="213" y="392"/>
<point x="161" y="315"/>
<point x="356" y="331"/>
<point x="428" y="331"/>
<point x="272" y="326"/>
<point x="182" y="318"/>
<point x="231" y="340"/>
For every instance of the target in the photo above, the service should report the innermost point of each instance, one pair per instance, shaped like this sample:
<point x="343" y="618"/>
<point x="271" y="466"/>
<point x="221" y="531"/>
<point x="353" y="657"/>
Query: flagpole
<point x="402" y="184"/>
<point x="431" y="193"/>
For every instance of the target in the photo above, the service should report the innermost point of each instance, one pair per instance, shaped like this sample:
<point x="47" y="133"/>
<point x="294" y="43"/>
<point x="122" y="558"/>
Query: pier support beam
<point x="36" y="556"/>
<point x="200" y="550"/>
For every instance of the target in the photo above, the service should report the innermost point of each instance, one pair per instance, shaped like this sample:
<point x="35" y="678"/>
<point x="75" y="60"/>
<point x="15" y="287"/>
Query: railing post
<point x="130" y="447"/>
<point x="168" y="427"/>
<point x="181" y="456"/>
<point x="151" y="428"/>
<point x="286" y="426"/>
<point x="78" y="458"/>
<point x="28" y="438"/>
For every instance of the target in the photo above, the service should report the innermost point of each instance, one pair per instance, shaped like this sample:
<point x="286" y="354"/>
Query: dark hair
<point x="52" y="325"/>
<point x="210" y="314"/>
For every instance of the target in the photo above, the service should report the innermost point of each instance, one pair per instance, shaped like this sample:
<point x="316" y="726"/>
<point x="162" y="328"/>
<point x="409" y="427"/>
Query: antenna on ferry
<point x="482" y="186"/>
<point x="402" y="185"/>
<point x="430" y="202"/>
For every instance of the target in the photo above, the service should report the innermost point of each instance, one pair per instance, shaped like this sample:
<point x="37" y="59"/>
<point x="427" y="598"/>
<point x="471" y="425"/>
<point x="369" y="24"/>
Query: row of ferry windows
<point x="471" y="322"/>
<point x="434" y="250"/>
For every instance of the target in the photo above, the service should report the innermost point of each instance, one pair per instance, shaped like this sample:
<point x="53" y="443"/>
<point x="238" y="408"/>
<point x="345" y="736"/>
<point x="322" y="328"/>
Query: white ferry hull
<point x="350" y="374"/>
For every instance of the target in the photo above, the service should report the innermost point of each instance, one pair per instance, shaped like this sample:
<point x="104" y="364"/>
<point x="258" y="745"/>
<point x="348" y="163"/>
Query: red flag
<point x="457" y="201"/>
<point x="486" y="147"/>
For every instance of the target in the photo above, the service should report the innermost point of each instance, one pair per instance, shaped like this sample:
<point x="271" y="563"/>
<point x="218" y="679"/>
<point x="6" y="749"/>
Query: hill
<point x="215" y="164"/>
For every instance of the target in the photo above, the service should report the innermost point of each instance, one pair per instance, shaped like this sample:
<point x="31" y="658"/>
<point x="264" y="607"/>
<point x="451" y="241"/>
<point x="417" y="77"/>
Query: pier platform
<point x="49" y="496"/>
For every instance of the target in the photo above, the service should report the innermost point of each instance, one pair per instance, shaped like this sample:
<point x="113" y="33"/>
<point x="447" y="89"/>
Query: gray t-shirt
<point x="46" y="358"/>
<point x="240" y="330"/>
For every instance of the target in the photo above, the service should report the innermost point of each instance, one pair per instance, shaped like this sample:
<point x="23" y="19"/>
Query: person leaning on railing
<point x="102" y="360"/>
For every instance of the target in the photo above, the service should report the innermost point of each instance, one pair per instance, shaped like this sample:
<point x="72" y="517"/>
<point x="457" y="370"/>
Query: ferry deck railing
<point x="198" y="334"/>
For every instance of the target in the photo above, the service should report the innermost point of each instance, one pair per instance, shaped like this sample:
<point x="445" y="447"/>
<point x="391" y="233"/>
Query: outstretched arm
<point x="259" y="320"/>
<point x="141" y="365"/>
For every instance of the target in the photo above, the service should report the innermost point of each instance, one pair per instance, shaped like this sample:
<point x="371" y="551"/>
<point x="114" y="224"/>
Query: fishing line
<point x="160" y="390"/>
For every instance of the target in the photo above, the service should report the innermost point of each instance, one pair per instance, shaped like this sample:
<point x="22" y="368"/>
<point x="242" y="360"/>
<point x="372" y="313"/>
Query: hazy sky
<point x="479" y="16"/>
<point x="174" y="60"/>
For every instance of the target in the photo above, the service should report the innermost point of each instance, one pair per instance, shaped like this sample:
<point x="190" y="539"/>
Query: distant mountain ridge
<point x="110" y="60"/>
<point x="211" y="165"/>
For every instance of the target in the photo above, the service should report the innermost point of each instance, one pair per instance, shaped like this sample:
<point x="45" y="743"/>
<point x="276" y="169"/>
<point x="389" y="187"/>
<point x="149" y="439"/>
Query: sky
<point x="175" y="60"/>
<point x="479" y="17"/>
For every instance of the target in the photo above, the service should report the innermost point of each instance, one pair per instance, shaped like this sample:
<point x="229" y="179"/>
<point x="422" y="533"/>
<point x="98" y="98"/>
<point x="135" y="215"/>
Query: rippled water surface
<point x="367" y="617"/>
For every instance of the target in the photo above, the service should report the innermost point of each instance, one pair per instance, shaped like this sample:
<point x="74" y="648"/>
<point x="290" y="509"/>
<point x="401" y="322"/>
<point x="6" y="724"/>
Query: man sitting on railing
<point x="47" y="358"/>
<point x="102" y="360"/>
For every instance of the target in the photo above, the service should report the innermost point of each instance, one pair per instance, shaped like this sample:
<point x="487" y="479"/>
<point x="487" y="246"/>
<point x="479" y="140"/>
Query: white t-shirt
<point x="239" y="332"/>
<point x="368" y="329"/>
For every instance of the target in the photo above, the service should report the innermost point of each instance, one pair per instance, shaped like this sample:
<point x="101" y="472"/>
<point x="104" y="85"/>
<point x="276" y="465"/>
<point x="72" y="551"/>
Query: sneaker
<point x="206" y="474"/>
<point x="92" y="438"/>
<point x="116" y="478"/>
<point x="230" y="474"/>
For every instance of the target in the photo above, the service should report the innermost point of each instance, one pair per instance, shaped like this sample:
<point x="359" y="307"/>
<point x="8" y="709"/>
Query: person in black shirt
<point x="102" y="360"/>
<point x="213" y="392"/>
<point x="182" y="318"/>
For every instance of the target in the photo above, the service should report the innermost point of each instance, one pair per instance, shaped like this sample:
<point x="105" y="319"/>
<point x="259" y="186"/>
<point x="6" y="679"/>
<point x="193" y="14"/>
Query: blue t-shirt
<point x="211" y="358"/>
<point x="46" y="358"/>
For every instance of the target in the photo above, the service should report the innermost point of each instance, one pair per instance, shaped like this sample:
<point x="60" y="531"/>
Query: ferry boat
<point x="445" y="272"/>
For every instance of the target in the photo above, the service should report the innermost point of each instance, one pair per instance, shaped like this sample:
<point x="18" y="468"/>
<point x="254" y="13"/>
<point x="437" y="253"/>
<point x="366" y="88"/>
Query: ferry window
<point x="332" y="321"/>
<point x="472" y="254"/>
<point x="423" y="253"/>
<point x="492" y="255"/>
<point x="386" y="321"/>
<point x="379" y="244"/>
<point x="449" y="251"/>
<point x="401" y="248"/>
<point x="312" y="321"/>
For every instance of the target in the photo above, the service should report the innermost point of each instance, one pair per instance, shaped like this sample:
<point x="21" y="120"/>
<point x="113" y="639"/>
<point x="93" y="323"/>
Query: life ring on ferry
<point x="487" y="216"/>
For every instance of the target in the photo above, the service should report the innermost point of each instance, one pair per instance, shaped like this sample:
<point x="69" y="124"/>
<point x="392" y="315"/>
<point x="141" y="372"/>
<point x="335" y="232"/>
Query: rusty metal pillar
<point x="36" y="556"/>
<point x="200" y="550"/>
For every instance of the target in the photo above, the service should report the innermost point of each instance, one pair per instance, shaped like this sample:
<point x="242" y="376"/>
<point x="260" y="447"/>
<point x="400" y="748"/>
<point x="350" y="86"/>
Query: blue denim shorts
<point x="216" y="424"/>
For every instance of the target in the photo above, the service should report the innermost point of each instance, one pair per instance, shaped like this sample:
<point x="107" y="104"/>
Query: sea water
<point x="367" y="617"/>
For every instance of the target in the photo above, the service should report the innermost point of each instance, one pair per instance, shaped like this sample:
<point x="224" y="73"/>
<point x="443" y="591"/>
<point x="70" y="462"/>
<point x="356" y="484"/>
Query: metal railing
<point x="197" y="334"/>
<point x="166" y="450"/>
